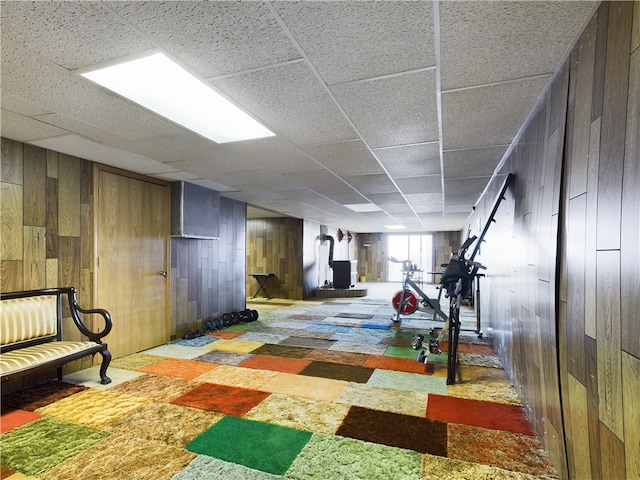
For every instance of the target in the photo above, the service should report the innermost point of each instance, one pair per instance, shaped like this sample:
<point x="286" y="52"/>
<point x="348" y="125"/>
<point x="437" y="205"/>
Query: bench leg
<point x="106" y="360"/>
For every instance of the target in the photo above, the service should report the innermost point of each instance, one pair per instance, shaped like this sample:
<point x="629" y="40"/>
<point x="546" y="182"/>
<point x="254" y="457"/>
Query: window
<point x="417" y="248"/>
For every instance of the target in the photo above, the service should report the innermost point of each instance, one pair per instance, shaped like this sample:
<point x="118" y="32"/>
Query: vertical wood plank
<point x="579" y="429"/>
<point x="52" y="217"/>
<point x="69" y="262"/>
<point x="11" y="275"/>
<point x="591" y="231"/>
<point x="11" y="161"/>
<point x="52" y="164"/>
<point x="584" y="93"/>
<point x="575" y="231"/>
<point x="635" y="39"/>
<point x="51" y="273"/>
<point x="631" y="391"/>
<point x="614" y="112"/>
<point x="600" y="60"/>
<point x="11" y="234"/>
<point x="630" y="215"/>
<point x="69" y="194"/>
<point x="34" y="263"/>
<point x="591" y="358"/>
<point x="608" y="326"/>
<point x="612" y="454"/>
<point x="35" y="186"/>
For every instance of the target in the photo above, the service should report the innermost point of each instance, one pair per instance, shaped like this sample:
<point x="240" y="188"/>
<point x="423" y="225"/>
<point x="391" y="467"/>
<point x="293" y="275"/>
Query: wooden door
<point x="133" y="217"/>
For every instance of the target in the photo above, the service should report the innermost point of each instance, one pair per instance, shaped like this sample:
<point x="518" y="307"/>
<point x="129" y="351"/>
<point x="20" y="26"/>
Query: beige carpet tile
<point x="136" y="361"/>
<point x="124" y="457"/>
<point x="167" y="423"/>
<point x="92" y="407"/>
<point x="300" y="413"/>
<point x="322" y="389"/>
<point x="385" y="399"/>
<point x="90" y="377"/>
<point x="238" y="377"/>
<point x="437" y="468"/>
<point x="238" y="346"/>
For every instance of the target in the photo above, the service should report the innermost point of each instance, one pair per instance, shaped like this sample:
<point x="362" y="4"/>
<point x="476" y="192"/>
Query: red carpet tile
<point x="5" y="472"/>
<point x="179" y="368"/>
<point x="276" y="364"/>
<point x="395" y="430"/>
<point x="520" y="453"/>
<point x="394" y="363"/>
<point x="495" y="416"/>
<point x="12" y="418"/>
<point x="222" y="399"/>
<point x="470" y="348"/>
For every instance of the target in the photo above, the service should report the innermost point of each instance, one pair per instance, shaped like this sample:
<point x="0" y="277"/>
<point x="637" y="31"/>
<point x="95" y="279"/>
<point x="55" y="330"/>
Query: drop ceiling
<point x="408" y="106"/>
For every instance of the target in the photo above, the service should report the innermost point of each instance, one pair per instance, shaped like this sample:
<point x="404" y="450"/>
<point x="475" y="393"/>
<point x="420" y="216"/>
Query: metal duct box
<point x="195" y="211"/>
<point x="345" y="273"/>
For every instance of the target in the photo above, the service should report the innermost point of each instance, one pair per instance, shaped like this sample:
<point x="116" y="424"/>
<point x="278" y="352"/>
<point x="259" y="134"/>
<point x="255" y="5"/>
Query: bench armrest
<point x="76" y="310"/>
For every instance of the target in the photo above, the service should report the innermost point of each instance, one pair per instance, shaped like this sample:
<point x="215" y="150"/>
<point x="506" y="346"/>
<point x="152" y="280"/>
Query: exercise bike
<point x="456" y="281"/>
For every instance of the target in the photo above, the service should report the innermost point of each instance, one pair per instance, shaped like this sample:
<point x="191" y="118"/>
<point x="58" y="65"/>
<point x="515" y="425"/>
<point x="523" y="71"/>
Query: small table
<point x="262" y="282"/>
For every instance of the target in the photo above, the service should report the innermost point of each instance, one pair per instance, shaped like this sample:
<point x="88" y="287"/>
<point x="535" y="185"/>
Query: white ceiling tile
<point x="484" y="42"/>
<point x="354" y="40"/>
<point x="51" y="87"/>
<point x="25" y="129"/>
<point x="420" y="184"/>
<point x="212" y="38"/>
<point x="275" y="153"/>
<point x="407" y="102"/>
<point x="96" y="152"/>
<point x="322" y="182"/>
<point x="374" y="183"/>
<point x="71" y="34"/>
<point x="473" y="162"/>
<point x="290" y="101"/>
<point x="410" y="160"/>
<point x="266" y="179"/>
<point x="417" y="199"/>
<point x="384" y="199"/>
<point x="345" y="158"/>
<point x="487" y="116"/>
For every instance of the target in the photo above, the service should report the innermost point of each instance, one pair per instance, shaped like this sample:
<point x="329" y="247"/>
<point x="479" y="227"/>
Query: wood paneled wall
<point x="519" y="308"/>
<point x="560" y="299"/>
<point x="275" y="245"/>
<point x="372" y="257"/>
<point x="47" y="240"/>
<point x="46" y="223"/>
<point x="207" y="276"/>
<point x="600" y="270"/>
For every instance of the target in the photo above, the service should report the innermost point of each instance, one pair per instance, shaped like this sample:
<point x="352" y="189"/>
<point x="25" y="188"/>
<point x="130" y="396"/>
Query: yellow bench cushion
<point x="26" y="358"/>
<point x="26" y="318"/>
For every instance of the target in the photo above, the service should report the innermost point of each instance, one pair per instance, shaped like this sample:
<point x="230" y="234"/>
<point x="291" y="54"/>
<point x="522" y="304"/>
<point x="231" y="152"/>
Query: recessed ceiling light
<point x="158" y="83"/>
<point x="363" y="207"/>
<point x="395" y="227"/>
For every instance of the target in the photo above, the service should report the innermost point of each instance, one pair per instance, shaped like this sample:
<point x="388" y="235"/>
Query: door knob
<point x="163" y="273"/>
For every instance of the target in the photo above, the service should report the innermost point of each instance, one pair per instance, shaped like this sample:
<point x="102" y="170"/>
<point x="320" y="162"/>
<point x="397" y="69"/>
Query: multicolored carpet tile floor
<point x="325" y="389"/>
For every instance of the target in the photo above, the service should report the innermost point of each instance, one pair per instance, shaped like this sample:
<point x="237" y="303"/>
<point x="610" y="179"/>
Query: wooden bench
<point x="31" y="333"/>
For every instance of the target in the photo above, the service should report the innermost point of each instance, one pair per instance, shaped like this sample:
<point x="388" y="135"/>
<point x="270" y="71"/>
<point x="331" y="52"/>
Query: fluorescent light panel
<point x="363" y="207"/>
<point x="395" y="227"/>
<point x="159" y="84"/>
